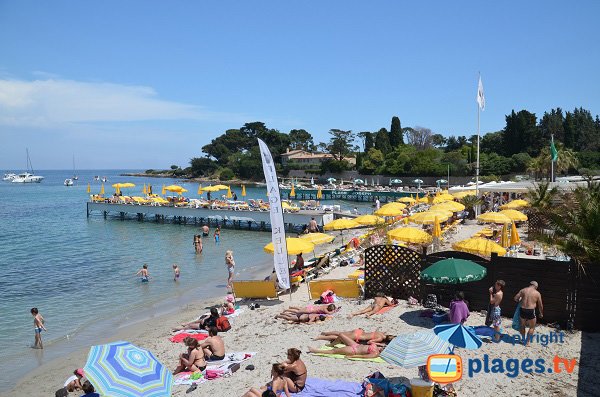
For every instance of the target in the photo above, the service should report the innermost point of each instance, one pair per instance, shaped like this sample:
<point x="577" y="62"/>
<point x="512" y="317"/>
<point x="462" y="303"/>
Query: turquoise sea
<point x="79" y="271"/>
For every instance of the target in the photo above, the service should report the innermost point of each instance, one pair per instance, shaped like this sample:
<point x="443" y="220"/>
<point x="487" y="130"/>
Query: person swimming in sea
<point x="175" y="272"/>
<point x="144" y="274"/>
<point x="217" y="234"/>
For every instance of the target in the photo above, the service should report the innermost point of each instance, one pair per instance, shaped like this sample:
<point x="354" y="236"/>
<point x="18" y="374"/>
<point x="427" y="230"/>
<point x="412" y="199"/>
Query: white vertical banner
<point x="280" y="255"/>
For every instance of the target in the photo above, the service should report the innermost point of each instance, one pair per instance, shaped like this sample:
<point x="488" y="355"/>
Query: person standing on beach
<point x="230" y="262"/>
<point x="377" y="203"/>
<point x="175" y="272"/>
<point x="143" y="272"/>
<point x="38" y="326"/>
<point x="312" y="226"/>
<point x="205" y="231"/>
<point x="530" y="298"/>
<point x="217" y="234"/>
<point x="496" y="295"/>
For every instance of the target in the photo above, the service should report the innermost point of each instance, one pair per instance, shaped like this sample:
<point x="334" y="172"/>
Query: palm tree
<point x="567" y="159"/>
<point x="576" y="224"/>
<point x="541" y="196"/>
<point x="470" y="202"/>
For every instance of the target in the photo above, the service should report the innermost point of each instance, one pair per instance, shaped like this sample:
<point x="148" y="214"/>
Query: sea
<point x="79" y="271"/>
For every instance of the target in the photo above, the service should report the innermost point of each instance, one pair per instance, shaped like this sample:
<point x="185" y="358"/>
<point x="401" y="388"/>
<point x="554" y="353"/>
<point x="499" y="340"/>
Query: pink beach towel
<point x="180" y="337"/>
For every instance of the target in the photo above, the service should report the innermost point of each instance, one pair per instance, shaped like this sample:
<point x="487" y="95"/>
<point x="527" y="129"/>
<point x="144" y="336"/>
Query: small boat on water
<point x="9" y="177"/>
<point x="68" y="182"/>
<point x="28" y="177"/>
<point x="96" y="178"/>
<point x="104" y="179"/>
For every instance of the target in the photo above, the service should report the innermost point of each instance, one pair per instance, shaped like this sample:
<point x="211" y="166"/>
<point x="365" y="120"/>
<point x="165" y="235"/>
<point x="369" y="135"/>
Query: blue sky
<point x="145" y="84"/>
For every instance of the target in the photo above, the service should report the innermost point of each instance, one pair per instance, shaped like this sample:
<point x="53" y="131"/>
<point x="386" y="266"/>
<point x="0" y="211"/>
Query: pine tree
<point x="396" y="135"/>
<point x="382" y="141"/>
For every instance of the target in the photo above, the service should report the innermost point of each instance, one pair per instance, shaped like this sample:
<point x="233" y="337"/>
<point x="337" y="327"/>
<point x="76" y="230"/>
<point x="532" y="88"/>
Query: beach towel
<point x="326" y="388"/>
<point x="181" y="336"/>
<point x="516" y="323"/>
<point x="386" y="309"/>
<point x="230" y="358"/>
<point x="375" y="360"/>
<point x="188" y="378"/>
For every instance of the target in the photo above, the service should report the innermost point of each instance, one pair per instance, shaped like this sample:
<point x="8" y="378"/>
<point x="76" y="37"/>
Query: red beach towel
<point x="386" y="309"/>
<point x="180" y="337"/>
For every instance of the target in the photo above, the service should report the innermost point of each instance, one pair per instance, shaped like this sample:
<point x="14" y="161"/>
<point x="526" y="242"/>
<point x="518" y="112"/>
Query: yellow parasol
<point x="317" y="238"/>
<point x="295" y="246"/>
<point x="485" y="232"/>
<point x="319" y="194"/>
<point x="175" y="188"/>
<point x="144" y="190"/>
<point x="229" y="194"/>
<point x="407" y="200"/>
<point x="164" y="191"/>
<point x="437" y="230"/>
<point x="428" y="218"/>
<point x="243" y="190"/>
<point x="515" y="205"/>
<point x="514" y="235"/>
<point x="451" y="206"/>
<point x="391" y="209"/>
<point x="293" y="192"/>
<point x="504" y="237"/>
<point x="479" y="246"/>
<point x="211" y="188"/>
<point x="222" y="187"/>
<point x="89" y="188"/>
<point x="410" y="235"/>
<point x="442" y="198"/>
<point x="342" y="224"/>
<point x="493" y="217"/>
<point x="369" y="220"/>
<point x="102" y="189"/>
<point x="199" y="192"/>
<point x="514" y="215"/>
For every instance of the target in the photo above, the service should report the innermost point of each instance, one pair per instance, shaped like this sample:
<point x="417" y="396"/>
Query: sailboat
<point x="75" y="177"/>
<point x="27" y="177"/>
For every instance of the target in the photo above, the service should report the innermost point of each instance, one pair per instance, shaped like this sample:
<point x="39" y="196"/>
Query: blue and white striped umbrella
<point x="458" y="335"/>
<point x="122" y="369"/>
<point x="412" y="350"/>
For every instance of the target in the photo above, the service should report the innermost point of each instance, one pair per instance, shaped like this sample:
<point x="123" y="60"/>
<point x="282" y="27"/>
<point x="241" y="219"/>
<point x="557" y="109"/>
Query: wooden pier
<point x="247" y="220"/>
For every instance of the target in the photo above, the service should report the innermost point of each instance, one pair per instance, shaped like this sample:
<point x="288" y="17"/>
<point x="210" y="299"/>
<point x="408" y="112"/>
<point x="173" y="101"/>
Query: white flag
<point x="280" y="256"/>
<point x="480" y="96"/>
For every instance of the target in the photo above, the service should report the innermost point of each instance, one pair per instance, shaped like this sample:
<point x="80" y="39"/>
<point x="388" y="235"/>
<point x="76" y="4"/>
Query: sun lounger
<point x="254" y="289"/>
<point x="343" y="288"/>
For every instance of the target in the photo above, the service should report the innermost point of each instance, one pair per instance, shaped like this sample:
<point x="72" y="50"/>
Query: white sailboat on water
<point x="28" y="177"/>
<point x="75" y="177"/>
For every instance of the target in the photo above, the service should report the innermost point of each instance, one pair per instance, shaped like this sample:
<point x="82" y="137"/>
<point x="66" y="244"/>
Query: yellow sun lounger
<point x="343" y="288"/>
<point x="254" y="289"/>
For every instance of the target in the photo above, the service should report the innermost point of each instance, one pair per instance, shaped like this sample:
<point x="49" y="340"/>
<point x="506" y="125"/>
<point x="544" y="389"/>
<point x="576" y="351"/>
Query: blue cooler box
<point x="439" y="318"/>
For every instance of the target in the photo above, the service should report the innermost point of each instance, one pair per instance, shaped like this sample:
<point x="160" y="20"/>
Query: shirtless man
<point x="379" y="302"/>
<point x="213" y="346"/>
<point x="312" y="226"/>
<point x="143" y="272"/>
<point x="496" y="295"/>
<point x="295" y="371"/>
<point x="530" y="298"/>
<point x="205" y="231"/>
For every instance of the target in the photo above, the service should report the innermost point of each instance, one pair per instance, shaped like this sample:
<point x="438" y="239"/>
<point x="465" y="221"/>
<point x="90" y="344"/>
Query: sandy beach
<point x="257" y="330"/>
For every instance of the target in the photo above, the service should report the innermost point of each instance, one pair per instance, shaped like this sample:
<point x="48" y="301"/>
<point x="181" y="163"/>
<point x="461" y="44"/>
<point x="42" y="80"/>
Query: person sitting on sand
<point x="379" y="302"/>
<point x="303" y="318"/>
<point x="228" y="306"/>
<point x="193" y="360"/>
<point x="204" y="322"/>
<point x="278" y="384"/>
<point x="352" y="349"/>
<point x="311" y="309"/>
<point x="213" y="346"/>
<point x="295" y="371"/>
<point x="459" y="312"/>
<point x="73" y="383"/>
<point x="358" y="335"/>
<point x="89" y="390"/>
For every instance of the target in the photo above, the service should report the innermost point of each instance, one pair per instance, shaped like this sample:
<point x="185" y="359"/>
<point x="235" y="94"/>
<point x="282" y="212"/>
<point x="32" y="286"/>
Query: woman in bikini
<point x="278" y="384"/>
<point x="379" y="302"/>
<point x="358" y="335"/>
<point x="295" y="371"/>
<point x="303" y="318"/>
<point x="193" y="360"/>
<point x="352" y="349"/>
<point x="311" y="309"/>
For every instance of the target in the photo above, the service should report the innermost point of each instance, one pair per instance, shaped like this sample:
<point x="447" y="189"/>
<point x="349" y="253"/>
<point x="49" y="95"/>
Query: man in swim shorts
<point x="213" y="346"/>
<point x="496" y="295"/>
<point x="530" y="298"/>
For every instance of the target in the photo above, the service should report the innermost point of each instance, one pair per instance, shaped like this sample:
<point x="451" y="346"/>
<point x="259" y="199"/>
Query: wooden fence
<point x="570" y="297"/>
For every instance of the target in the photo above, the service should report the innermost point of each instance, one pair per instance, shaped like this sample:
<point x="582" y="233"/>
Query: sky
<point x="145" y="84"/>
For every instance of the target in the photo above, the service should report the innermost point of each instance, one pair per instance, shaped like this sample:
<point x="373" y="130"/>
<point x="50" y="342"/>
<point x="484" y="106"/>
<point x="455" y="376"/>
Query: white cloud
<point x="53" y="102"/>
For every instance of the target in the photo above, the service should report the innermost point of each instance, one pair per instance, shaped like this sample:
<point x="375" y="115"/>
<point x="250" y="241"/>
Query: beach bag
<point x="223" y="324"/>
<point x="376" y="385"/>
<point x="398" y="391"/>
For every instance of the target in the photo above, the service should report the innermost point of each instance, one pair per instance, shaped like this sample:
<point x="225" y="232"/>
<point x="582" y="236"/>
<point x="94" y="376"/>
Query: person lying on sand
<point x="311" y="309"/>
<point x="358" y="335"/>
<point x="352" y="349"/>
<point x="213" y="346"/>
<point x="278" y="384"/>
<point x="203" y="322"/>
<point x="295" y="371"/>
<point x="193" y="360"/>
<point x="303" y="318"/>
<point x="379" y="302"/>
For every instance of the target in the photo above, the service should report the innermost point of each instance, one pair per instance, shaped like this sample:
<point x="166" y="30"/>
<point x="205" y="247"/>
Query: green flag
<point x="553" y="151"/>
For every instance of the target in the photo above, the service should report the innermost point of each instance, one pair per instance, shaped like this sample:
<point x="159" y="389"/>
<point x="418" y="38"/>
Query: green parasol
<point x="453" y="271"/>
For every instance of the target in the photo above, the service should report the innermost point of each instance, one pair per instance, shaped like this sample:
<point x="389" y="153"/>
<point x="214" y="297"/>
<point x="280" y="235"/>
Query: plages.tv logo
<point x="444" y="368"/>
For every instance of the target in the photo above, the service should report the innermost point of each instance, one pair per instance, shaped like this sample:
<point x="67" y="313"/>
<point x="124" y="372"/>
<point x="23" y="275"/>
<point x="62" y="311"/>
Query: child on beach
<point x="38" y="326"/>
<point x="143" y="272"/>
<point x="217" y="234"/>
<point x="230" y="262"/>
<point x="175" y="272"/>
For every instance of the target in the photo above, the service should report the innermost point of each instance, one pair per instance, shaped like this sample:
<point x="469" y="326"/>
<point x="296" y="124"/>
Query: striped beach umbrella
<point x="412" y="350"/>
<point x="122" y="369"/>
<point x="458" y="335"/>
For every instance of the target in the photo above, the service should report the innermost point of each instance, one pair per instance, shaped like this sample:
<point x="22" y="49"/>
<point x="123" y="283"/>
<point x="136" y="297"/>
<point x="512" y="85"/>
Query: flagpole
<point x="477" y="163"/>
<point x="552" y="160"/>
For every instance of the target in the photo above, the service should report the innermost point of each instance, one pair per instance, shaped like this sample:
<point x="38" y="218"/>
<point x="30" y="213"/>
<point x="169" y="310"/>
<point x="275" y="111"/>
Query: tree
<point x="521" y="132"/>
<point x="373" y="160"/>
<point x="438" y="140"/>
<point x="520" y="162"/>
<point x="301" y="139"/>
<point x="553" y="124"/>
<point x="542" y="196"/>
<point x="492" y="142"/>
<point x="341" y="144"/>
<point x="202" y="166"/>
<point x="396" y="135"/>
<point x="174" y="167"/>
<point x="470" y="202"/>
<point x="567" y="159"/>
<point x="369" y="141"/>
<point x="420" y="138"/>
<point x="382" y="141"/>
